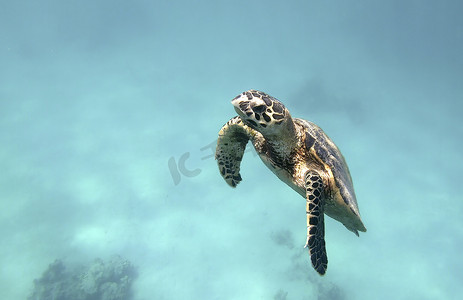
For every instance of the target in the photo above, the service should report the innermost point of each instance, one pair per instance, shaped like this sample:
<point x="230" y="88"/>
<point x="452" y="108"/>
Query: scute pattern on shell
<point x="330" y="154"/>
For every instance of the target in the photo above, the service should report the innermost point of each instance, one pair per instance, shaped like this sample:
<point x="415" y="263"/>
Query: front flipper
<point x="231" y="144"/>
<point x="315" y="221"/>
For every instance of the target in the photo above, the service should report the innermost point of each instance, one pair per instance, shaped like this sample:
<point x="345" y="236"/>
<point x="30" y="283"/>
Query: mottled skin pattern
<point x="301" y="155"/>
<point x="315" y="221"/>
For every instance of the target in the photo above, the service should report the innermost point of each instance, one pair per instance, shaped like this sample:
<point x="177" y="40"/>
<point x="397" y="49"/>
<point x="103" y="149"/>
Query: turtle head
<point x="263" y="113"/>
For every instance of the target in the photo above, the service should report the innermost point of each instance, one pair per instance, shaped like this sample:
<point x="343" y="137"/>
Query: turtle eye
<point x="251" y="123"/>
<point x="259" y="108"/>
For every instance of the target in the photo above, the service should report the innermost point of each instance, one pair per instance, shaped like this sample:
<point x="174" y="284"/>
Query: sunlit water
<point x="109" y="111"/>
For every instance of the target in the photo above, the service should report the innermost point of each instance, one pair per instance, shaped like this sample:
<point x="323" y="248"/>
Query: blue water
<point x="109" y="111"/>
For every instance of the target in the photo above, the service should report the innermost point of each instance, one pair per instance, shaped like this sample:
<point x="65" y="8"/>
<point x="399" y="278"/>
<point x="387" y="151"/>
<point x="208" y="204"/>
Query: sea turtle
<point x="301" y="155"/>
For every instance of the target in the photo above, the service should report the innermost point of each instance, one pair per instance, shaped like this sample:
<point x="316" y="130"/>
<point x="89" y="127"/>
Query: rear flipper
<point x="315" y="221"/>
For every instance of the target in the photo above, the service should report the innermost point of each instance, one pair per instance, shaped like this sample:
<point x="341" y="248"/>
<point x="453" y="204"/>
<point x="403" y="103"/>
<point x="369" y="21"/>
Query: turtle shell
<point x="331" y="156"/>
